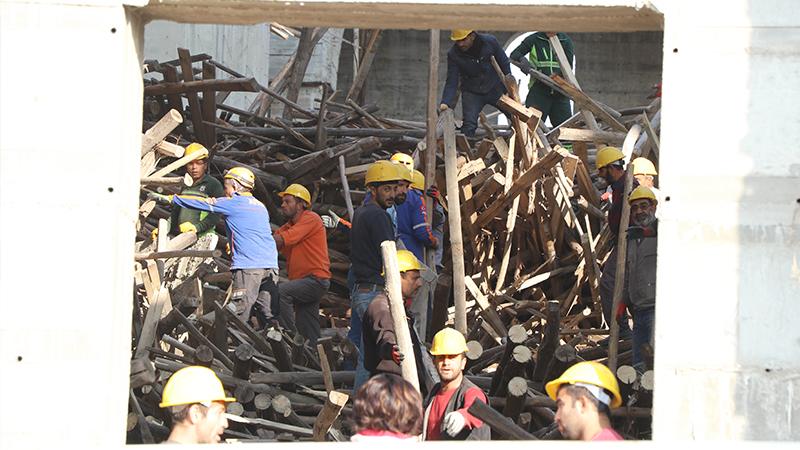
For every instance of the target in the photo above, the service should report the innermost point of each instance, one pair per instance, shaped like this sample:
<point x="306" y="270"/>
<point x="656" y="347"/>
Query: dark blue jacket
<point x="412" y="224"/>
<point x="477" y="75"/>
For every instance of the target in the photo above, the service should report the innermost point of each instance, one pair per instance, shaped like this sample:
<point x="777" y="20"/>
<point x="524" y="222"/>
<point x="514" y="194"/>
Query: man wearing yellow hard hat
<point x="469" y="66"/>
<point x="255" y="258"/>
<point x="195" y="400"/>
<point x="446" y="416"/>
<point x="304" y="244"/>
<point x="640" y="274"/>
<point x="644" y="171"/>
<point x="585" y="394"/>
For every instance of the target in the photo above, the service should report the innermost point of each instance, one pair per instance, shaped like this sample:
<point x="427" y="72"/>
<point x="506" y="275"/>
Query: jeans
<point x="471" y="106"/>
<point x="644" y="321"/>
<point x="359" y="302"/>
<point x="300" y="306"/>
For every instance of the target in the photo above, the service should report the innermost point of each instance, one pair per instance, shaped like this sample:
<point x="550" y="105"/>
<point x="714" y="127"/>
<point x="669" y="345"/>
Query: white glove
<point x="330" y="221"/>
<point x="453" y="423"/>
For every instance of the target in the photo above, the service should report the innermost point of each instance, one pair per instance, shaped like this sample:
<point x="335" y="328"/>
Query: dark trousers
<point x="607" y="280"/>
<point x="550" y="103"/>
<point x="471" y="106"/>
<point x="255" y="294"/>
<point x="300" y="305"/>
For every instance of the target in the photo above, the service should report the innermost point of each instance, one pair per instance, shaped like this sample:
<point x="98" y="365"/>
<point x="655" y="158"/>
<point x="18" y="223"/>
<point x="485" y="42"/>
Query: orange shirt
<point x="305" y="246"/>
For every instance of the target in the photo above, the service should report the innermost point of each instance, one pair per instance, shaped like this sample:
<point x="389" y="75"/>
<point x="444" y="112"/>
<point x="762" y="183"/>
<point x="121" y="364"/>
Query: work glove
<point x="330" y="221"/>
<point x="187" y="227"/>
<point x="453" y="423"/>
<point x="443" y="107"/>
<point x="159" y="198"/>
<point x="154" y="234"/>
<point x="433" y="192"/>
<point x="228" y="248"/>
<point x="397" y="356"/>
<point x="525" y="66"/>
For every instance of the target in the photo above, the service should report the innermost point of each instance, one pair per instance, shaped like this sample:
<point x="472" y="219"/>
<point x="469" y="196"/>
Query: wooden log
<point x="177" y="164"/>
<point x="196" y="334"/>
<point x="334" y="404"/>
<point x="531" y="401"/>
<point x="282" y="357"/>
<point x="268" y="179"/>
<point x="165" y="181"/>
<point x="144" y="428"/>
<point x="256" y="339"/>
<point x="408" y="365"/>
<point x="204" y="356"/>
<point x="243" y="362"/>
<point x="511" y="219"/>
<point x="178" y="254"/>
<point x="174" y="100"/>
<point x="588" y="103"/>
<point x="159" y="298"/>
<point x="299" y="431"/>
<point x="327" y="378"/>
<point x="194" y="102"/>
<point x="366" y="63"/>
<point x="515" y="400"/>
<point x="474" y="350"/>
<point x="345" y="187"/>
<point x="309" y="37"/>
<point x="520" y="358"/>
<point x="563" y="358"/>
<point x="208" y="104"/>
<point x="231" y="84"/>
<point x="551" y="339"/>
<point x="429" y="167"/>
<point x="581" y="135"/>
<point x="160" y="130"/>
<point x="504" y="427"/>
<point x="516" y="336"/>
<point x="283" y="409"/>
<point x="454" y="217"/>
<point x="304" y="378"/>
<point x="493" y="322"/>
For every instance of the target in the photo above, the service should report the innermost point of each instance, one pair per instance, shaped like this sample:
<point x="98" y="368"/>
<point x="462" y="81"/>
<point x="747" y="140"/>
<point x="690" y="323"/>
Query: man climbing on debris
<point x="196" y="401"/>
<point x="381" y="352"/>
<point x="446" y="416"/>
<point x="371" y="226"/>
<point x="584" y="395"/>
<point x="536" y="53"/>
<point x="640" y="273"/>
<point x="610" y="164"/>
<point x="469" y="64"/>
<point x="302" y="240"/>
<point x="255" y="257"/>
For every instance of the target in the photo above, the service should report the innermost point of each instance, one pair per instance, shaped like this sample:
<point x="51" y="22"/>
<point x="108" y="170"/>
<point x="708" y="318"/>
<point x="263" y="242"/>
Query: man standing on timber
<point x="640" y="271"/>
<point x="610" y="164"/>
<point x="446" y="416"/>
<point x="381" y="352"/>
<point x="584" y="395"/>
<point x="469" y="62"/>
<point x="371" y="226"/>
<point x="536" y="53"/>
<point x="195" y="400"/>
<point x="302" y="240"/>
<point x="255" y="257"/>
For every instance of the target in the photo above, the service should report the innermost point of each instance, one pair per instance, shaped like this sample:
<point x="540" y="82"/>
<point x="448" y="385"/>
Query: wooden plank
<point x="588" y="103"/>
<point x="408" y="365"/>
<point x="511" y="106"/>
<point x="326" y="368"/>
<point x="334" y="404"/>
<point x="366" y="63"/>
<point x="177" y="164"/>
<point x="209" y="104"/>
<point x="454" y="218"/>
<point x="511" y="219"/>
<point x="194" y="102"/>
<point x="160" y="130"/>
<point x="490" y="314"/>
<point x="581" y="135"/>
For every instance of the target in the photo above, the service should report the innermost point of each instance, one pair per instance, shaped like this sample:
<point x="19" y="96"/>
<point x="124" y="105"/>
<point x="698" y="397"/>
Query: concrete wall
<point x="614" y="68"/>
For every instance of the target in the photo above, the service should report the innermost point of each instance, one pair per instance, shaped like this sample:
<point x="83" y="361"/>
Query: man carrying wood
<point x="610" y="164"/>
<point x="255" y="257"/>
<point x="584" y="395"/>
<point x="536" y="53"/>
<point x="195" y="400"/>
<point x="381" y="352"/>
<point x="302" y="240"/>
<point x="446" y="416"/>
<point x="640" y="271"/>
<point x="371" y="226"/>
<point x="469" y="63"/>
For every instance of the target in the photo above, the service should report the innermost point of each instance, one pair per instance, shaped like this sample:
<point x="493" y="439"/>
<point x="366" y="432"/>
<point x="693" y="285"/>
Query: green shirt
<point x="208" y="186"/>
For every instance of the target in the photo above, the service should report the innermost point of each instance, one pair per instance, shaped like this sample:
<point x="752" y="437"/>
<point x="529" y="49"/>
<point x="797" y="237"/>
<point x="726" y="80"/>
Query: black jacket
<point x="476" y="73"/>
<point x="482" y="433"/>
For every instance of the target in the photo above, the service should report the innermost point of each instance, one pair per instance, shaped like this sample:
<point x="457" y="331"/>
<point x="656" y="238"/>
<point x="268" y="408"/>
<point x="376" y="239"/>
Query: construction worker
<point x="644" y="171"/>
<point x="302" y="240"/>
<point x="183" y="220"/>
<point x="371" y="226"/>
<point x="584" y="394"/>
<point x="640" y="272"/>
<point x="387" y="409"/>
<point x="255" y="257"/>
<point x="416" y="235"/>
<point x="446" y="416"/>
<point x="469" y="64"/>
<point x="195" y="400"/>
<point x="610" y="162"/>
<point x="536" y="53"/>
<point x="381" y="352"/>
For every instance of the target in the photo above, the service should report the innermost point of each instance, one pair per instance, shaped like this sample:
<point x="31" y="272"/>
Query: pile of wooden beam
<point x="526" y="242"/>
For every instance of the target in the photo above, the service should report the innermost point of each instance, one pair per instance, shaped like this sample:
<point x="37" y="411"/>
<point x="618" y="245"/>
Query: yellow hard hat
<point x="382" y="171"/>
<point x="403" y="159"/>
<point x="193" y="384"/>
<point x="608" y="155"/>
<point x="243" y="175"/>
<point x="591" y="373"/>
<point x="407" y="261"/>
<point x="419" y="181"/>
<point x="448" y="342"/>
<point x="642" y="192"/>
<point x="298" y="191"/>
<point x="457" y="35"/>
<point x="194" y="147"/>
<point x="643" y="166"/>
<point x="405" y="173"/>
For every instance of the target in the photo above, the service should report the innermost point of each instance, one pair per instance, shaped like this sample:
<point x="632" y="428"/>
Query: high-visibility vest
<point x="549" y="61"/>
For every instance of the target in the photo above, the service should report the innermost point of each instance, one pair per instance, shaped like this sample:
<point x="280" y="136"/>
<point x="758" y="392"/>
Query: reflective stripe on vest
<point x="540" y="65"/>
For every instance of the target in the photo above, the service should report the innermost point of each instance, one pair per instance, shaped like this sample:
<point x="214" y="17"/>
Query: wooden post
<point x="280" y="351"/>
<point x="432" y="107"/>
<point x="550" y="340"/>
<point x="346" y="188"/>
<point x="309" y="37"/>
<point x="511" y="219"/>
<point x="401" y="331"/>
<point x="333" y="406"/>
<point x="515" y="400"/>
<point x="622" y="248"/>
<point x="194" y="102"/>
<point x="244" y="360"/>
<point x="209" y="106"/>
<point x="454" y="208"/>
<point x="326" y="368"/>
<point x="363" y="69"/>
